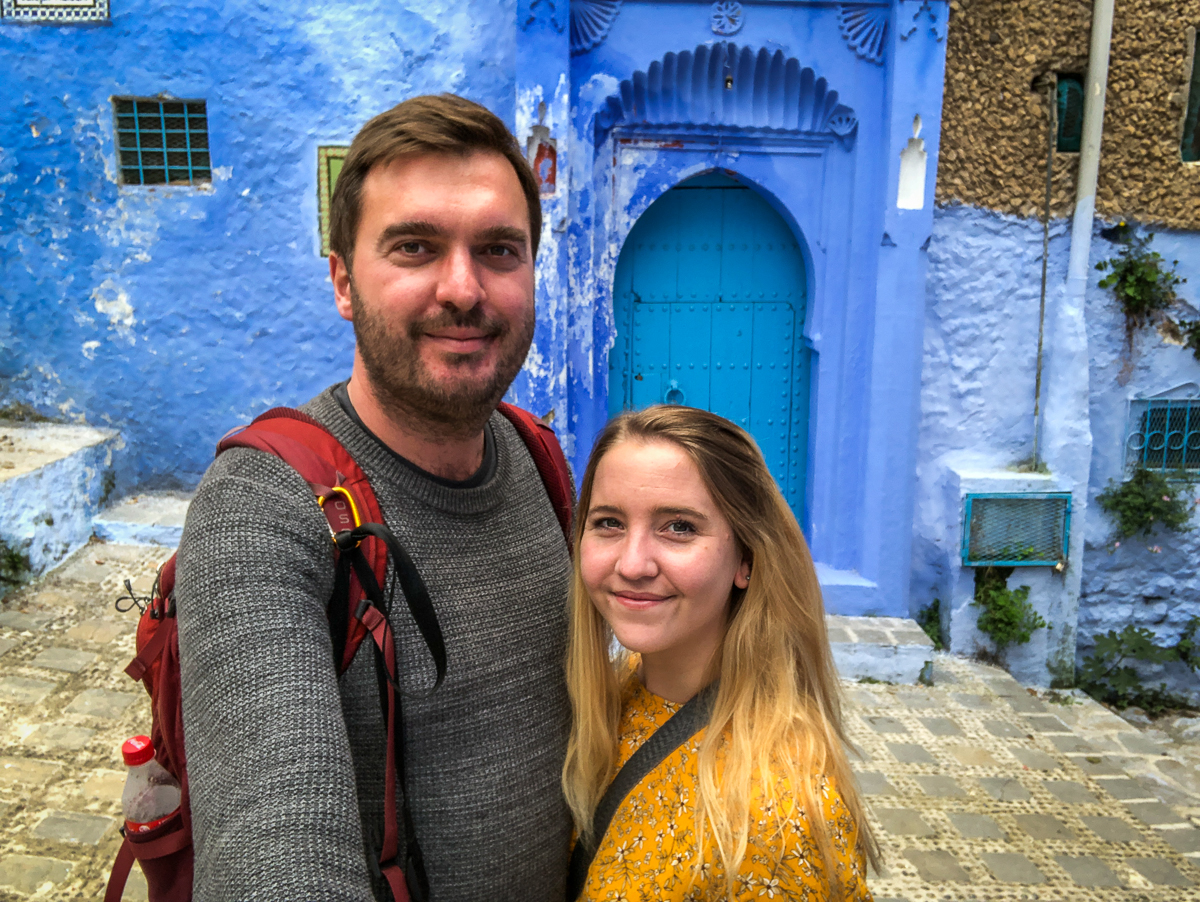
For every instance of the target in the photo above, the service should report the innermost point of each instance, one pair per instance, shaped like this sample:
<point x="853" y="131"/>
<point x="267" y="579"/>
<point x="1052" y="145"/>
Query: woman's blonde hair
<point x="778" y="704"/>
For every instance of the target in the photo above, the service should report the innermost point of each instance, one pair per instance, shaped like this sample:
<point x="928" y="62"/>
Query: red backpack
<point x="358" y="609"/>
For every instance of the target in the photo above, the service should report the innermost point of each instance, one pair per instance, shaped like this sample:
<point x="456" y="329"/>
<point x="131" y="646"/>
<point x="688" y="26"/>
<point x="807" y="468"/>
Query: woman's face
<point x="658" y="558"/>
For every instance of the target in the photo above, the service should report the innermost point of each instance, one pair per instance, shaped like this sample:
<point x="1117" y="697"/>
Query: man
<point x="434" y="228"/>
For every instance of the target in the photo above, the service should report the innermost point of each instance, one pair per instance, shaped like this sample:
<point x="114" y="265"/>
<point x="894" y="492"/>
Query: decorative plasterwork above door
<point x="865" y="29"/>
<point x="864" y="25"/>
<point x="729" y="87"/>
<point x="590" y="22"/>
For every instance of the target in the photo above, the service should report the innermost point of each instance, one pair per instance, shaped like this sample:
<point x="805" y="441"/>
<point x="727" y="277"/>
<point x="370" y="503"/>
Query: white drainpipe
<point x="1089" y="151"/>
<point x="1066" y="426"/>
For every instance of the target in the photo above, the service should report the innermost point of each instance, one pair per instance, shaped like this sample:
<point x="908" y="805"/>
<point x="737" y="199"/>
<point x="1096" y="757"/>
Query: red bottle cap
<point x="137" y="750"/>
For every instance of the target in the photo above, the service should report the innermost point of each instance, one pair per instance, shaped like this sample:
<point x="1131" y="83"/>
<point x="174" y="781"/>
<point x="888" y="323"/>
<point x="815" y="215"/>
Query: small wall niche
<point x="913" y="162"/>
<point x="542" y="152"/>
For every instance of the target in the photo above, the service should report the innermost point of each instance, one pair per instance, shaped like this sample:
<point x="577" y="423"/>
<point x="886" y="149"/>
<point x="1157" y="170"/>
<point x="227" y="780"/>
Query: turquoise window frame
<point x="972" y="499"/>
<point x="1070" y="127"/>
<point x="1189" y="141"/>
<point x="186" y="157"/>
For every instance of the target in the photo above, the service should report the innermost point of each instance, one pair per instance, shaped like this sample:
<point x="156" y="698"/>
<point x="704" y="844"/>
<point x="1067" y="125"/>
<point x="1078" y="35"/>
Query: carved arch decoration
<point x="725" y="86"/>
<point x="591" y="20"/>
<point x="865" y="29"/>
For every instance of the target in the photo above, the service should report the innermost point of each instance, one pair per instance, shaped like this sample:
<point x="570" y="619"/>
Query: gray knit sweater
<point x="286" y="763"/>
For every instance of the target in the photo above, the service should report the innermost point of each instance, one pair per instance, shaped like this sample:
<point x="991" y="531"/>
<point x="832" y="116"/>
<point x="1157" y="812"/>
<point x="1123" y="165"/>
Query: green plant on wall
<point x="1146" y="499"/>
<point x="930" y="619"/>
<point x="14" y="567"/>
<point x="1107" y="676"/>
<point x="1006" y="615"/>
<point x="1188" y="332"/>
<point x="1143" y="285"/>
<point x="19" y="412"/>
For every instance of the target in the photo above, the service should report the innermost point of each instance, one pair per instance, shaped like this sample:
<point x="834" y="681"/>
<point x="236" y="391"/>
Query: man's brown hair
<point x="433" y="123"/>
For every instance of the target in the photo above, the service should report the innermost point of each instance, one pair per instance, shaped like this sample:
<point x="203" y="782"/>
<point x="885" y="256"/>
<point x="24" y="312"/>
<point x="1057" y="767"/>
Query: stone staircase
<point x="144" y="520"/>
<point x="52" y="482"/>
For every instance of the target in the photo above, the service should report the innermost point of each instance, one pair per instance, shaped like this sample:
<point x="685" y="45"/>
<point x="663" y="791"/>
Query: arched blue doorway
<point x="709" y="300"/>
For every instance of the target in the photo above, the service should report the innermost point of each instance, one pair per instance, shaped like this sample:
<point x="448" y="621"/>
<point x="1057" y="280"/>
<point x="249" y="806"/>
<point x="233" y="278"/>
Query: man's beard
<point x="407" y="390"/>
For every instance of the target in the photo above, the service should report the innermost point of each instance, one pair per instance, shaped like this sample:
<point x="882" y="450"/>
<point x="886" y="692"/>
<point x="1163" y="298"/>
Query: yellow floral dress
<point x="649" y="849"/>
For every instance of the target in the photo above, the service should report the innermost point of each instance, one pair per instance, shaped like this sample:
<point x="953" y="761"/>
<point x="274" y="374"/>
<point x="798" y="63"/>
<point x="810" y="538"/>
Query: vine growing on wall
<point x="1188" y="332"/>
<point x="1006" y="617"/>
<point x="1145" y="500"/>
<point x="14" y="567"/>
<point x="1140" y="280"/>
<point x="930" y="620"/>
<point x="18" y="412"/>
<point x="1107" y="676"/>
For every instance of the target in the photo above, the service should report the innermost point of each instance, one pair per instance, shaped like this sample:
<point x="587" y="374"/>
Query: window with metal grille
<point x="1189" y="146"/>
<point x="1164" y="435"/>
<point x="1070" y="113"/>
<point x="54" y="12"/>
<point x="162" y="142"/>
<point x="329" y="167"/>
<point x="1029" y="529"/>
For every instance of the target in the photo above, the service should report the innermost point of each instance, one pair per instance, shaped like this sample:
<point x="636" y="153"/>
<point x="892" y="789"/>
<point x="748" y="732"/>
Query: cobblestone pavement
<point x="981" y="789"/>
<point x="978" y="789"/>
<point x="65" y="708"/>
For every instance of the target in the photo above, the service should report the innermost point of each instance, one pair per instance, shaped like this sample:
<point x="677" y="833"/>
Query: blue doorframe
<point x="709" y="302"/>
<point x="814" y="121"/>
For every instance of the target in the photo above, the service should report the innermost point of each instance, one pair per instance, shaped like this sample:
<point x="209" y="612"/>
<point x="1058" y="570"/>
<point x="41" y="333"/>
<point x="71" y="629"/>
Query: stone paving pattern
<point x="982" y="789"/>
<point x="65" y="708"/>
<point x="978" y="788"/>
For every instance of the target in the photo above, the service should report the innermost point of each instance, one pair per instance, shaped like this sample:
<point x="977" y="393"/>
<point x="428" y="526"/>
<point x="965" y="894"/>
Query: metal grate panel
<point x="162" y="142"/>
<point x="1164" y="436"/>
<point x="54" y="12"/>
<point x="1016" y="530"/>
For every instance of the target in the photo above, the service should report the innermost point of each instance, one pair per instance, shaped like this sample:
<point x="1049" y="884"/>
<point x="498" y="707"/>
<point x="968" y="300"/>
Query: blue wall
<point x="977" y="381"/>
<point x="175" y="313"/>
<point x="976" y="409"/>
<point x="1154" y="581"/>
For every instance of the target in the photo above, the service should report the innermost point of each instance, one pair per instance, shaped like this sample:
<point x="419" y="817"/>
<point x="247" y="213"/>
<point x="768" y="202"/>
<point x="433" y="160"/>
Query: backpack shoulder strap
<point x="342" y="490"/>
<point x="551" y="464"/>
<point x="683" y="725"/>
<point x="358" y="609"/>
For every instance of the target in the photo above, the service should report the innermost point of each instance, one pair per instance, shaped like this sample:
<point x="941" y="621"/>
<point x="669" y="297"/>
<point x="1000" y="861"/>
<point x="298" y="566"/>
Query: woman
<point x="689" y="556"/>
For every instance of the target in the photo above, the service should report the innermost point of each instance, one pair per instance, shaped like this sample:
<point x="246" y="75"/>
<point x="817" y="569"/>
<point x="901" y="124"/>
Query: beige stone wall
<point x="993" y="144"/>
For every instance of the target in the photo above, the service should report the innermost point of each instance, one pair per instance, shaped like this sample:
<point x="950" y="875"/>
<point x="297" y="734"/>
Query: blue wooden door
<point x="709" y="301"/>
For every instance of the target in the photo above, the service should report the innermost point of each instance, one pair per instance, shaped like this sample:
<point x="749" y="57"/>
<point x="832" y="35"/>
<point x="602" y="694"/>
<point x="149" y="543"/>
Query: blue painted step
<point x="51" y="482"/>
<point x="145" y="520"/>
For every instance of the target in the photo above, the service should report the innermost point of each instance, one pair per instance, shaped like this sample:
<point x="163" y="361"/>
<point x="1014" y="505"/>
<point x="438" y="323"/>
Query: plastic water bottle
<point x="151" y="794"/>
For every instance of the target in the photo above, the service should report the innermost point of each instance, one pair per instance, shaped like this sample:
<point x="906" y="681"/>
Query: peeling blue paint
<point x="174" y="313"/>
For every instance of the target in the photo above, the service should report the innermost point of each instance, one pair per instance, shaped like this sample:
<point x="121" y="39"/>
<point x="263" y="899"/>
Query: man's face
<point x="441" y="290"/>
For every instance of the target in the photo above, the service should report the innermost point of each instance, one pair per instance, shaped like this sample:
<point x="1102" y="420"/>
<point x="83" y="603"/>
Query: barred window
<point x="54" y="12"/>
<point x="329" y="166"/>
<point x="162" y="142"/>
<point x="1164" y="435"/>
<point x="1070" y="113"/>
<point x="1189" y="146"/>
